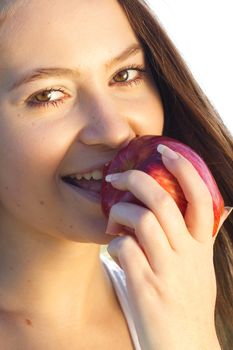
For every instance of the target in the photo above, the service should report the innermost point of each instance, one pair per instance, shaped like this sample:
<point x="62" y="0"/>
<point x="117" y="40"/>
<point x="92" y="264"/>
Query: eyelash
<point x="141" y="69"/>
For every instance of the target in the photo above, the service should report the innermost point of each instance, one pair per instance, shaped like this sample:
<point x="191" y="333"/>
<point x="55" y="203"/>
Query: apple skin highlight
<point x="141" y="154"/>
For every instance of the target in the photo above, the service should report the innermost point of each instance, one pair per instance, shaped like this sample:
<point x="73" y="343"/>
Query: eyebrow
<point x="45" y="73"/>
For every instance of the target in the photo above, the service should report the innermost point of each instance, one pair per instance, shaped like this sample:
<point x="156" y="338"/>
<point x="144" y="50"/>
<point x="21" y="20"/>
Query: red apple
<point x="141" y="154"/>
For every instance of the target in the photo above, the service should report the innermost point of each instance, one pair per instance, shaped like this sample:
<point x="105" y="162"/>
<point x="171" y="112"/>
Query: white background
<point x="202" y="30"/>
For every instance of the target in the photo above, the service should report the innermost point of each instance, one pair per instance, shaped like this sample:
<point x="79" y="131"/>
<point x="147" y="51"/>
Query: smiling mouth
<point x="90" y="185"/>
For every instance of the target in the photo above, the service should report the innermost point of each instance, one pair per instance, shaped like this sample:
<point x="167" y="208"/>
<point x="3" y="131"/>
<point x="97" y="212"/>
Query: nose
<point x="105" y="122"/>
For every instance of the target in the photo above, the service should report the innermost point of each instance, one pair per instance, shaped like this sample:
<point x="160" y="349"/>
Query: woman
<point x="78" y="82"/>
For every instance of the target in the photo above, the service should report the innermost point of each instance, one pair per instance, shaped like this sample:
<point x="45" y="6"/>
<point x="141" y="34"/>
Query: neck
<point x="46" y="278"/>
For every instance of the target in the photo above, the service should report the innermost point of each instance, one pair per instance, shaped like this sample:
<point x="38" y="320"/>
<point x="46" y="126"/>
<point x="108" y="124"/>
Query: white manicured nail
<point x="167" y="152"/>
<point x="112" y="177"/>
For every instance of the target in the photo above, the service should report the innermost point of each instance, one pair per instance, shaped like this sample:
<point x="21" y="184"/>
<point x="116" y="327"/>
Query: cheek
<point x="155" y="112"/>
<point x="31" y="151"/>
<point x="27" y="162"/>
<point x="147" y="114"/>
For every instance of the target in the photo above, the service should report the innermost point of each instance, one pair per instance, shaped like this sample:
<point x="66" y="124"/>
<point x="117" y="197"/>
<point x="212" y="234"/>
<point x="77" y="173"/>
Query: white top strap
<point x="117" y="276"/>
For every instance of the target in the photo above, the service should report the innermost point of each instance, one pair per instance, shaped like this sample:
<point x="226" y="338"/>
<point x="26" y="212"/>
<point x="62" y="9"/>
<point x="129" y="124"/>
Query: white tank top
<point x="117" y="277"/>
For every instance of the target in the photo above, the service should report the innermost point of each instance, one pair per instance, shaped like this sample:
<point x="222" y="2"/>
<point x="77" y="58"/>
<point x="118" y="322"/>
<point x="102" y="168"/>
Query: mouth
<point x="91" y="185"/>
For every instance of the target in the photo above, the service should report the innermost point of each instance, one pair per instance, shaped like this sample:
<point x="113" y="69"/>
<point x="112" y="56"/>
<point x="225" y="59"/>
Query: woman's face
<point x="86" y="117"/>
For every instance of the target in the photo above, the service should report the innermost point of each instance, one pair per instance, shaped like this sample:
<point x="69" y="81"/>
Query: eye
<point x="55" y="96"/>
<point x="47" y="94"/>
<point x="124" y="75"/>
<point x="47" y="97"/>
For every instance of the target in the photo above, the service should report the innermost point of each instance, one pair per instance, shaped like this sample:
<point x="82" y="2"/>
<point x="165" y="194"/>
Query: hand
<point x="168" y="261"/>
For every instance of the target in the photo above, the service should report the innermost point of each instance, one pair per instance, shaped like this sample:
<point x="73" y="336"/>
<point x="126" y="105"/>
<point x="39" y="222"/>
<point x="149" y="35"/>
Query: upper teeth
<point x="96" y="175"/>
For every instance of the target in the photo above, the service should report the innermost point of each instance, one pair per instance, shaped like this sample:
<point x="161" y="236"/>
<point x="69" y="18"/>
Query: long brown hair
<point x="190" y="118"/>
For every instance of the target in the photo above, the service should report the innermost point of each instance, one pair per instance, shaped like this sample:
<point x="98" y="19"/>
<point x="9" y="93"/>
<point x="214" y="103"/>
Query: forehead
<point x="8" y="9"/>
<point x="37" y="11"/>
<point x="74" y="28"/>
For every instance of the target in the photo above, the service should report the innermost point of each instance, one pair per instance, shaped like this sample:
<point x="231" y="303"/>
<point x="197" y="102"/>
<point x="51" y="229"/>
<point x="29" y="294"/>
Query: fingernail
<point x="112" y="228"/>
<point x="167" y="152"/>
<point x="112" y="177"/>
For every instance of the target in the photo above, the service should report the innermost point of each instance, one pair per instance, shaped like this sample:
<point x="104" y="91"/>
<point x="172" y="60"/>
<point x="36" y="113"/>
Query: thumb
<point x="226" y="213"/>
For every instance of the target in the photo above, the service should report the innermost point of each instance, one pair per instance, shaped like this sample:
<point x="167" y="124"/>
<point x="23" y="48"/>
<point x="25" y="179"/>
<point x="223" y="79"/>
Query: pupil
<point x="123" y="75"/>
<point x="44" y="96"/>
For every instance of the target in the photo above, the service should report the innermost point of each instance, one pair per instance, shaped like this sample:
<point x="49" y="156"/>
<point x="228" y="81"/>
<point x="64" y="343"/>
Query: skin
<point x="174" y="286"/>
<point x="43" y="223"/>
<point x="47" y="275"/>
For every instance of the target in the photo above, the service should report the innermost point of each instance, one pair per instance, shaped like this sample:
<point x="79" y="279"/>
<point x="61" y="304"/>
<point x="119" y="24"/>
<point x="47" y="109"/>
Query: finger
<point x="158" y="200"/>
<point x="148" y="231"/>
<point x="199" y="216"/>
<point x="126" y="252"/>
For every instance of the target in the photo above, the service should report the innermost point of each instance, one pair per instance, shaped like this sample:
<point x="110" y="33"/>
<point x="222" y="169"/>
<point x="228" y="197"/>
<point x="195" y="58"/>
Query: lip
<point x="92" y="196"/>
<point x="88" y="170"/>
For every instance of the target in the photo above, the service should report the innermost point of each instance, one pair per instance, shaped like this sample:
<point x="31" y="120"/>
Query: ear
<point x="226" y="213"/>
